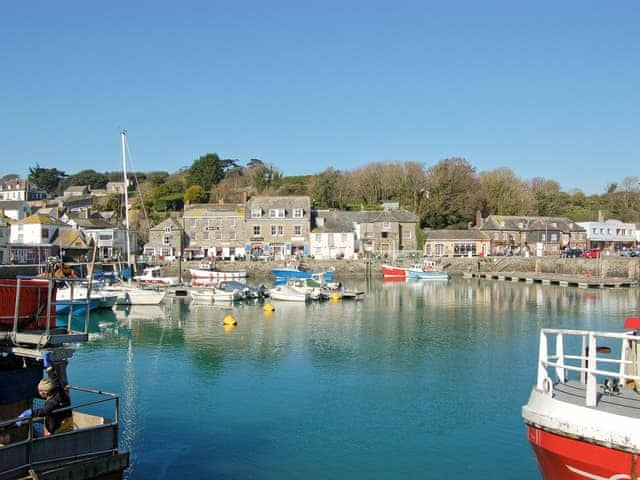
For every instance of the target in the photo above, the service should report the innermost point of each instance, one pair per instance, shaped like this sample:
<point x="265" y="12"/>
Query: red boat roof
<point x="632" y="323"/>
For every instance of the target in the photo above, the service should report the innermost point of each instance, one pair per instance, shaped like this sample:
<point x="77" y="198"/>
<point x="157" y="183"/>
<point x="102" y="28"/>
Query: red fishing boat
<point x="583" y="415"/>
<point x="394" y="271"/>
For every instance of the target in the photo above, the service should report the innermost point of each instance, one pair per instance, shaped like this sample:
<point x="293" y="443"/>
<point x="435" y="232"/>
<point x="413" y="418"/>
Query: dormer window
<point x="167" y="229"/>
<point x="256" y="213"/>
<point x="276" y="212"/>
<point x="298" y="212"/>
<point x="386" y="226"/>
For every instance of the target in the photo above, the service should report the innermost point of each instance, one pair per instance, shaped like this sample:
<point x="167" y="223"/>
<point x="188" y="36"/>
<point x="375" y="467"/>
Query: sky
<point x="546" y="88"/>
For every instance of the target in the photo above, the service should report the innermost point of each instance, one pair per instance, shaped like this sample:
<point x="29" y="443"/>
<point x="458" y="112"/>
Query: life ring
<point x="546" y="385"/>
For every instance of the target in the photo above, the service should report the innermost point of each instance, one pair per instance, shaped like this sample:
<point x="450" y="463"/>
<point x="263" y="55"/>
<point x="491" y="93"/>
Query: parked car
<point x="592" y="253"/>
<point x="571" y="253"/>
<point x="630" y="252"/>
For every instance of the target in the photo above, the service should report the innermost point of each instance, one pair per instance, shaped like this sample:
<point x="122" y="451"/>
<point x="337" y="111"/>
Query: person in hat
<point x="56" y="397"/>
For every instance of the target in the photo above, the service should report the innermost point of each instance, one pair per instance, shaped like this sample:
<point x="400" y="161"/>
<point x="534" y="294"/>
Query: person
<point x="56" y="397"/>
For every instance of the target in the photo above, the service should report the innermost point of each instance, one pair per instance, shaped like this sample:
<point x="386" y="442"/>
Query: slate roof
<point x="517" y="223"/>
<point x="169" y="222"/>
<point x="70" y="238"/>
<point x="38" y="218"/>
<point x="211" y="209"/>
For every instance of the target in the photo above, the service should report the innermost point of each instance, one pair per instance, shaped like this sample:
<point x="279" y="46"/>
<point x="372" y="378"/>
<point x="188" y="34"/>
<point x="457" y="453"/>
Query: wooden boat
<point x="425" y="270"/>
<point x="207" y="271"/>
<point x="583" y="415"/>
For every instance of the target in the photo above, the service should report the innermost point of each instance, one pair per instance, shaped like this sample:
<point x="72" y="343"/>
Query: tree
<point x="46" y="179"/>
<point x="546" y="195"/>
<point x="451" y="193"/>
<point x="206" y="171"/>
<point x="195" y="194"/>
<point x="503" y="193"/>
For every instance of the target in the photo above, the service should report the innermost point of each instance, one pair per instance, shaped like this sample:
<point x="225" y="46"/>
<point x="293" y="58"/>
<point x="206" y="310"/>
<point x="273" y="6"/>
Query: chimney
<point x="600" y="216"/>
<point x="244" y="197"/>
<point x="478" y="219"/>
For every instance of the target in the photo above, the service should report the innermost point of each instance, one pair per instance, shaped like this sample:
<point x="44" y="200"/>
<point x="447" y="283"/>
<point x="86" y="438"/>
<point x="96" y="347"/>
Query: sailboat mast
<point x="123" y="135"/>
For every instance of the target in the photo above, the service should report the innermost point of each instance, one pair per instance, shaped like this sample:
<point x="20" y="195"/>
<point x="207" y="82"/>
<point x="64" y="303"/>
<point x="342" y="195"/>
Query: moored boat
<point x="583" y="414"/>
<point x="296" y="271"/>
<point x="153" y="276"/>
<point x="288" y="294"/>
<point x="207" y="271"/>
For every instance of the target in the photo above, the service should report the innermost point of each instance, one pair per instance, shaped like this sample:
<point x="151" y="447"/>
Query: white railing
<point x="594" y="358"/>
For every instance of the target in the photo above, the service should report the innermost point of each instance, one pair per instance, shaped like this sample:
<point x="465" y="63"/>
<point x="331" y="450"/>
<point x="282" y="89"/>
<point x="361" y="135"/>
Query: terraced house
<point x="215" y="230"/>
<point x="278" y="226"/>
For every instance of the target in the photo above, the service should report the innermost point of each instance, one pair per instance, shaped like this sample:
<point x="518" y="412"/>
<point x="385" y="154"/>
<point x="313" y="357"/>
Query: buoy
<point x="229" y="328"/>
<point x="229" y="320"/>
<point x="335" y="296"/>
<point x="268" y="308"/>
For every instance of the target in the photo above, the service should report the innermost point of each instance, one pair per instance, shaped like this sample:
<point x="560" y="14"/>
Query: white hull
<point x="216" y="275"/>
<point x="288" y="294"/>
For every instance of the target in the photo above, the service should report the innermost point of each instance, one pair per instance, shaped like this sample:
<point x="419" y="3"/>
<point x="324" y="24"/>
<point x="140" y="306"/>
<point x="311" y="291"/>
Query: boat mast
<point x="123" y="135"/>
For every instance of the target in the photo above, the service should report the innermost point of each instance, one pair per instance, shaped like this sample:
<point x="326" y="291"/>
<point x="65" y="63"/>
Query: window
<point x="218" y="235"/>
<point x="232" y="235"/>
<point x="297" y="230"/>
<point x="256" y="213"/>
<point x="276" y="212"/>
<point x="205" y="235"/>
<point x="257" y="231"/>
<point x="167" y="229"/>
<point x="277" y="230"/>
<point x="232" y="222"/>
<point x="331" y="241"/>
<point x="166" y="240"/>
<point x="194" y="223"/>
<point x="386" y="226"/>
<point x="218" y="223"/>
<point x="407" y="234"/>
<point x="45" y="233"/>
<point x="298" y="213"/>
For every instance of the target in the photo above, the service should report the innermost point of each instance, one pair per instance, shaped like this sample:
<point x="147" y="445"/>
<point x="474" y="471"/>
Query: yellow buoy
<point x="335" y="296"/>
<point x="268" y="308"/>
<point x="229" y="320"/>
<point x="229" y="328"/>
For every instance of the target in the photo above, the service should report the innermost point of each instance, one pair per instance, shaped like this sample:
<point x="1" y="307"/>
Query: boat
<point x="314" y="288"/>
<point x="425" y="270"/>
<point x="213" y="295"/>
<point x="89" y="449"/>
<point x="288" y="294"/>
<point x="583" y="414"/>
<point x="207" y="271"/>
<point x="246" y="291"/>
<point x="295" y="270"/>
<point x="153" y="276"/>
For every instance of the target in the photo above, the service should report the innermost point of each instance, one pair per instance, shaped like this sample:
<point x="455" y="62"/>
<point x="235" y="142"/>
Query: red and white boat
<point x="207" y="272"/>
<point x="394" y="271"/>
<point x="583" y="414"/>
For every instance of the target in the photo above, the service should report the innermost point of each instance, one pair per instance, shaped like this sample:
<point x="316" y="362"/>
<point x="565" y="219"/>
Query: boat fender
<point x="268" y="307"/>
<point x="229" y="320"/>
<point x="546" y="385"/>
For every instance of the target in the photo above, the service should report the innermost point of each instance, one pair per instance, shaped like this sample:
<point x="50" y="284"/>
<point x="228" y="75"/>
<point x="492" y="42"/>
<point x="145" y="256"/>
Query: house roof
<point x="269" y="202"/>
<point x="169" y="222"/>
<point x="378" y="216"/>
<point x="505" y="222"/>
<point x="39" y="218"/>
<point x="212" y="209"/>
<point x="12" y="204"/>
<point x="71" y="238"/>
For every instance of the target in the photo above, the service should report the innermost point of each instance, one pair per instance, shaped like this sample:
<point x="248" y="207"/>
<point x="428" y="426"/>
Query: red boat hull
<point x="394" y="272"/>
<point x="564" y="458"/>
<point x="32" y="310"/>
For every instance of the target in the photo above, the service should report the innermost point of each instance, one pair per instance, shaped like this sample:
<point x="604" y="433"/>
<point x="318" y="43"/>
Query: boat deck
<point x="626" y="402"/>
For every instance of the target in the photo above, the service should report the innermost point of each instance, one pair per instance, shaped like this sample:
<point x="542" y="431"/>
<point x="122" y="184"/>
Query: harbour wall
<point x="605" y="267"/>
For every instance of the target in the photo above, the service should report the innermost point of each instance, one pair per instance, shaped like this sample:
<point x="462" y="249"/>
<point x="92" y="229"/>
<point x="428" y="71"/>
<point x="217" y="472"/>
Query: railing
<point x="610" y="359"/>
<point x="92" y="436"/>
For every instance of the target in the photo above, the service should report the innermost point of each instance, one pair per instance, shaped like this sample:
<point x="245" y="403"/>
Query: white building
<point x="333" y="236"/>
<point x="14" y="209"/>
<point x="31" y="239"/>
<point x="611" y="234"/>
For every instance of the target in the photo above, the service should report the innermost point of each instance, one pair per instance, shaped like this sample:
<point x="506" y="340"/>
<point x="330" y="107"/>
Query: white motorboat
<point x="213" y="295"/>
<point x="289" y="294"/>
<point x="153" y="276"/>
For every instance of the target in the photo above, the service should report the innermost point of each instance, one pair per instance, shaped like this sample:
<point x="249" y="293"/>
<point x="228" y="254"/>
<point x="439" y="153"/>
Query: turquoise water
<point x="417" y="380"/>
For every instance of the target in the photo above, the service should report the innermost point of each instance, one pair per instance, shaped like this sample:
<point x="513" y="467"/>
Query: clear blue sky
<point x="548" y="88"/>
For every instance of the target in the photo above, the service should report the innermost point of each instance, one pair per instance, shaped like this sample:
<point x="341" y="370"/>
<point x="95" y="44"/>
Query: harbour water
<point x="417" y="380"/>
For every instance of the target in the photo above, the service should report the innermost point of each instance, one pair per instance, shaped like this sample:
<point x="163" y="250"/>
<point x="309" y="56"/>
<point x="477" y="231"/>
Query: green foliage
<point x="196" y="194"/>
<point x="91" y="178"/>
<point x="46" y="179"/>
<point x="206" y="171"/>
